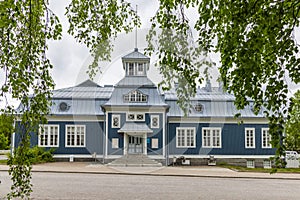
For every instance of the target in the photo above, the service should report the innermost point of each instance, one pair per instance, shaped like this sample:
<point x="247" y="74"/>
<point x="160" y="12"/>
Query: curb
<point x="162" y="175"/>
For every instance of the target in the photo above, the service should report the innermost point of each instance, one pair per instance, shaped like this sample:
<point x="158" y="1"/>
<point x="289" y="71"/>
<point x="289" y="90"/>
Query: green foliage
<point x="97" y="22"/>
<point x="6" y="130"/>
<point x="258" y="49"/>
<point x="292" y="127"/>
<point x="25" y="28"/>
<point x="4" y="144"/>
<point x="255" y="40"/>
<point x="40" y="155"/>
<point x="20" y="168"/>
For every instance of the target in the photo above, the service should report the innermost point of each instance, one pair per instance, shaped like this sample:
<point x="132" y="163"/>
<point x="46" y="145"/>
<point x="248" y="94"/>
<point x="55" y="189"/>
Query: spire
<point x="135" y="47"/>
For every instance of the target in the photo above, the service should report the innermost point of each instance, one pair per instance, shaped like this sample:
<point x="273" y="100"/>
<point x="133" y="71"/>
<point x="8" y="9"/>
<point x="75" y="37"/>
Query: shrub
<point x="4" y="143"/>
<point x="40" y="155"/>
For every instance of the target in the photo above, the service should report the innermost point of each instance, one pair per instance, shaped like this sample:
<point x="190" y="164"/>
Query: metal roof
<point x="78" y="107"/>
<point x="85" y="90"/>
<point x="212" y="109"/>
<point x="136" y="55"/>
<point x="202" y="94"/>
<point x="135" y="127"/>
<point x="135" y="81"/>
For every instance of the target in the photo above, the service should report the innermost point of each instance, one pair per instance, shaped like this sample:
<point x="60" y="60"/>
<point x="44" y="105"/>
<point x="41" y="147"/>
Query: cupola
<point x="136" y="64"/>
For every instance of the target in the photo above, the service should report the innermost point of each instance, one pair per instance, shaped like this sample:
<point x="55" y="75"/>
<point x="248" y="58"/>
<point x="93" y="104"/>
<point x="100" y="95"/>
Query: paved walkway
<point x="201" y="171"/>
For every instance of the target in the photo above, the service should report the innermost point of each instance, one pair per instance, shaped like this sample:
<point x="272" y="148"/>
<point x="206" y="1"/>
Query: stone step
<point x="134" y="161"/>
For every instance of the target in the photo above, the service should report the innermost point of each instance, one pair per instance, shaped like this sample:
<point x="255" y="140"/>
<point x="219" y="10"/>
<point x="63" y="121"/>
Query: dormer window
<point x="135" y="96"/>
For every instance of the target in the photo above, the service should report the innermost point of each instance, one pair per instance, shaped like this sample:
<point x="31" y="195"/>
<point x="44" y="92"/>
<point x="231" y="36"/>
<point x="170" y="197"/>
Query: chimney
<point x="208" y="85"/>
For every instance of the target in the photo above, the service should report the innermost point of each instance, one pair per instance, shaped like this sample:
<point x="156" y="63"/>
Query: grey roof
<point x="85" y="90"/>
<point x="135" y="127"/>
<point x="78" y="107"/>
<point x="202" y="95"/>
<point x="212" y="109"/>
<point x="136" y="55"/>
<point x="135" y="81"/>
<point x="84" y="99"/>
<point x="215" y="104"/>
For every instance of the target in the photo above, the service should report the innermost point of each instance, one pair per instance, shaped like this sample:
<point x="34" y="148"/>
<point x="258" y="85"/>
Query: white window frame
<point x="208" y="141"/>
<point x="112" y="121"/>
<point x="184" y="143"/>
<point x="42" y="130"/>
<point x="249" y="137"/>
<point x="75" y="126"/>
<point x="135" y="96"/>
<point x="250" y="163"/>
<point x="151" y="122"/>
<point x="267" y="164"/>
<point x="265" y="135"/>
<point x="135" y="117"/>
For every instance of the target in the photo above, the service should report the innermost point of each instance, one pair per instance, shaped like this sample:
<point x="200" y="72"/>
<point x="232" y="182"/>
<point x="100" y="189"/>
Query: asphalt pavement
<point x="188" y="171"/>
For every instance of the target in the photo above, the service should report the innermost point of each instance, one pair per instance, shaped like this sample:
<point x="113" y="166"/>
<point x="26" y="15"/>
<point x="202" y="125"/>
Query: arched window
<point x="135" y="96"/>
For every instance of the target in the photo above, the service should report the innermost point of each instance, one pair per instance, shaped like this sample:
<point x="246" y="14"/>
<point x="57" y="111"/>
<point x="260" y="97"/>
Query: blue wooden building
<point x="135" y="117"/>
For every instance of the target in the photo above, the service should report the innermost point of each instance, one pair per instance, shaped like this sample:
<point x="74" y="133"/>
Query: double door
<point x="135" y="144"/>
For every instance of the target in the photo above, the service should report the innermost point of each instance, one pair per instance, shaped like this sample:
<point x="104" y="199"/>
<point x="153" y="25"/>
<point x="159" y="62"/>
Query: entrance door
<point x="135" y="144"/>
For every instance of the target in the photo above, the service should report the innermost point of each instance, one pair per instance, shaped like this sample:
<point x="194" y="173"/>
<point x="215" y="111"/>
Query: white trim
<point x="211" y="129"/>
<point x="269" y="146"/>
<point x="75" y="134"/>
<point x="75" y="118"/>
<point x="13" y="143"/>
<point x="135" y="117"/>
<point x="224" y="156"/>
<point x="128" y="108"/>
<point x="164" y="134"/>
<point x="76" y="155"/>
<point x="48" y="127"/>
<point x="193" y="129"/>
<point x="106" y="135"/>
<point x="112" y="120"/>
<point x="217" y="120"/>
<point x="253" y="136"/>
<point x="151" y="120"/>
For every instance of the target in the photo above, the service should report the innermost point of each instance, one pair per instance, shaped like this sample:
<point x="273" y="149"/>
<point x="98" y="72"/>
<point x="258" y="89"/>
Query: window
<point x="211" y="137"/>
<point x="115" y="121"/>
<point x="154" y="121"/>
<point x="250" y="164"/>
<point x="265" y="138"/>
<point x="267" y="164"/>
<point x="135" y="117"/>
<point x="185" y="137"/>
<point x="131" y="69"/>
<point x="154" y="143"/>
<point x="249" y="138"/>
<point x="48" y="136"/>
<point x="140" y="69"/>
<point x="75" y="135"/>
<point x="135" y="96"/>
<point x="115" y="143"/>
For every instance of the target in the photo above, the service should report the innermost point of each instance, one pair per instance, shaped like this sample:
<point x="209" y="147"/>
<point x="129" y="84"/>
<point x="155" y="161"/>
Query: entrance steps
<point x="135" y="160"/>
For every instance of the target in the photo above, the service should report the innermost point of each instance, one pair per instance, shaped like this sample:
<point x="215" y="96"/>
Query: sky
<point x="71" y="59"/>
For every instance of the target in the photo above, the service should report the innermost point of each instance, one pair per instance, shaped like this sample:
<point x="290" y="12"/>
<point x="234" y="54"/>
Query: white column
<point x="125" y="149"/>
<point x="145" y="143"/>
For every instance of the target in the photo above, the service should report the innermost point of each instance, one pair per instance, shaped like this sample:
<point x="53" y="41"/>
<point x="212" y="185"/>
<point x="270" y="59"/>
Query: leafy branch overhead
<point x="255" y="38"/>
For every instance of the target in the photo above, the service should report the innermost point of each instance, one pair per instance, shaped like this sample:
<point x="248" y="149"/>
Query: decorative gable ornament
<point x="63" y="106"/>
